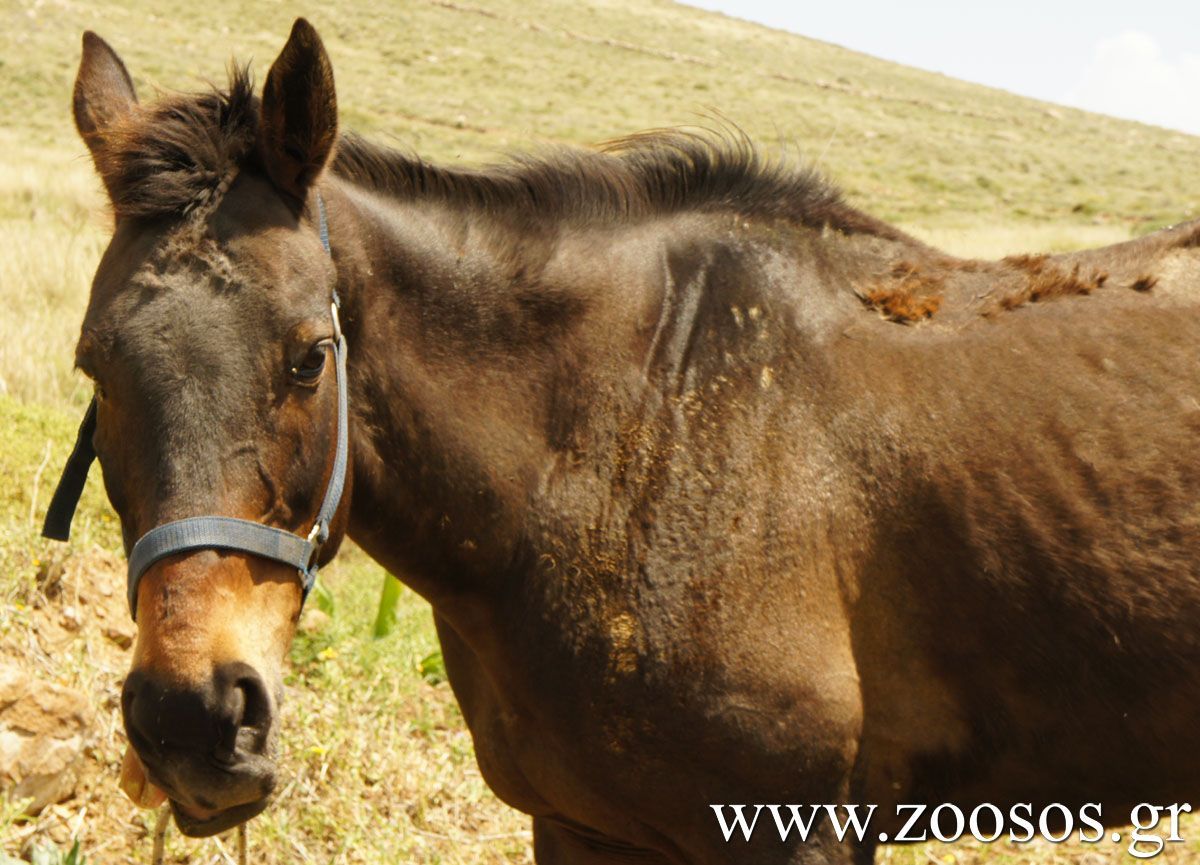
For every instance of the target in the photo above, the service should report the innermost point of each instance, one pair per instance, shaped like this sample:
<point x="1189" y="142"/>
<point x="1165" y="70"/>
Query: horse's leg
<point x="864" y="852"/>
<point x="554" y="844"/>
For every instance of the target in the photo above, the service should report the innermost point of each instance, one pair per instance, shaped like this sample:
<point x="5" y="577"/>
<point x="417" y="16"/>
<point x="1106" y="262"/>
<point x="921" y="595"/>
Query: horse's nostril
<point x="235" y="705"/>
<point x="256" y="705"/>
<point x="137" y="712"/>
<point x="245" y="709"/>
<point x="159" y="717"/>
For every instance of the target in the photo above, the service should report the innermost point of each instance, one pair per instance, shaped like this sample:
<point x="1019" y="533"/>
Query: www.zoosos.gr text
<point x="948" y="823"/>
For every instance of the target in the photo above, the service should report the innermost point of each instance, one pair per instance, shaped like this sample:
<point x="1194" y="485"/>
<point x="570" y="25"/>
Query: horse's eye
<point x="309" y="369"/>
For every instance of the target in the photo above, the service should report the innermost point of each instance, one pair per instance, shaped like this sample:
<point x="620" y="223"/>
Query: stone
<point x="71" y="620"/>
<point x="118" y="632"/>
<point x="44" y="728"/>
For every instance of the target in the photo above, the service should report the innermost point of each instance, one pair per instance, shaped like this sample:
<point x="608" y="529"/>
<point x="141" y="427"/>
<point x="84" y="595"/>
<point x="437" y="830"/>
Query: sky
<point x="1138" y="59"/>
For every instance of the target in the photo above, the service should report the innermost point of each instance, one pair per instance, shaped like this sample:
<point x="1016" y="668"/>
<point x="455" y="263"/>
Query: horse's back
<point x="1036" y="564"/>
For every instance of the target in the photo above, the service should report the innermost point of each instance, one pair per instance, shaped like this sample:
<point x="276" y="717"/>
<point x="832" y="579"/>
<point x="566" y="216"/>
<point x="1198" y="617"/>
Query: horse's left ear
<point x="103" y="93"/>
<point x="299" y="113"/>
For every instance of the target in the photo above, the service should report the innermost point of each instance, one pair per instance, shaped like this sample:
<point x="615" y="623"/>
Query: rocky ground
<point x="377" y="764"/>
<point x="60" y="738"/>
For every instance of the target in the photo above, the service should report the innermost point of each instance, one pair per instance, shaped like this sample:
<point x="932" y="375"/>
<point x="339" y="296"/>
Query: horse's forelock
<point x="180" y="153"/>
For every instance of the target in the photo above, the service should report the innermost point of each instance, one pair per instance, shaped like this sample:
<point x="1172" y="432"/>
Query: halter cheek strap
<point x="70" y="486"/>
<point x="217" y="532"/>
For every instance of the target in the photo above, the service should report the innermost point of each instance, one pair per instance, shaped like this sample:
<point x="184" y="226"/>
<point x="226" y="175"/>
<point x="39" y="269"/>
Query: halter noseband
<point x="214" y="532"/>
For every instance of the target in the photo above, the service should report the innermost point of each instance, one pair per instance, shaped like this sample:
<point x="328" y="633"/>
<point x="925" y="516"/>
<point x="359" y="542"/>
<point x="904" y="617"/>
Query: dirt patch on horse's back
<point x="1046" y="280"/>
<point x="1030" y="263"/>
<point x="967" y="265"/>
<point x="907" y="295"/>
<point x="1054" y="282"/>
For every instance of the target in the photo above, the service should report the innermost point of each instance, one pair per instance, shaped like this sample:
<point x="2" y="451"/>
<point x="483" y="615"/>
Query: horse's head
<point x="208" y="336"/>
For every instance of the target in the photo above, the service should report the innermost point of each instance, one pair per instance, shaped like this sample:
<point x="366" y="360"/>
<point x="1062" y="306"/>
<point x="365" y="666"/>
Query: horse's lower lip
<point x="198" y="815"/>
<point x="202" y="824"/>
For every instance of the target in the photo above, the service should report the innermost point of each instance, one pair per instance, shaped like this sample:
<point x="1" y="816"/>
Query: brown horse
<point x="721" y="490"/>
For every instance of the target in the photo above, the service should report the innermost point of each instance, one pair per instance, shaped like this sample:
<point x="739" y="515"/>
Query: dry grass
<point x="470" y="78"/>
<point x="53" y="228"/>
<point x="999" y="240"/>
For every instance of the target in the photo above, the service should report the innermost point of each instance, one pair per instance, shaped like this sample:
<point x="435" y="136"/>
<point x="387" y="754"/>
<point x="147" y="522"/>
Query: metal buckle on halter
<point x="317" y="536"/>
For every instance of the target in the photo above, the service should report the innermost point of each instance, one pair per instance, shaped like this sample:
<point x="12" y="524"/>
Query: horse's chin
<point x="202" y="824"/>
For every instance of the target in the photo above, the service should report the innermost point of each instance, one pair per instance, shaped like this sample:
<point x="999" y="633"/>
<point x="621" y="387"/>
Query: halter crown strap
<point x="217" y="532"/>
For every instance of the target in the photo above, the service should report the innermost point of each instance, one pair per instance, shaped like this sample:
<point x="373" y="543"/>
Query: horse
<point x="721" y="490"/>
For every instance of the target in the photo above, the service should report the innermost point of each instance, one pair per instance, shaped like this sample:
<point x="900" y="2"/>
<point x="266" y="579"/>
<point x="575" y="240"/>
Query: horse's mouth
<point x="195" y="819"/>
<point x="202" y="824"/>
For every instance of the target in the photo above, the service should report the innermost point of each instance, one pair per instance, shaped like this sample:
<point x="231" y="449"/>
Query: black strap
<point x="70" y="487"/>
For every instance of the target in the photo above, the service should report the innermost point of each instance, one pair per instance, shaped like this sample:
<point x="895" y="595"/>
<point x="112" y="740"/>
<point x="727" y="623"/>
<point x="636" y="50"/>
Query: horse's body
<point x="698" y="528"/>
<point x="699" y="525"/>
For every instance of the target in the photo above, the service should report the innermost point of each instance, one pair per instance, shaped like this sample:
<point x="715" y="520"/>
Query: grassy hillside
<point x="975" y="170"/>
<point x="467" y="80"/>
<point x="380" y="768"/>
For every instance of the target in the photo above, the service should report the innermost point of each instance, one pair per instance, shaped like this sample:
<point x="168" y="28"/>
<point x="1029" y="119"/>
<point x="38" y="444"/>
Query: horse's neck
<point x="487" y="365"/>
<point x="463" y="340"/>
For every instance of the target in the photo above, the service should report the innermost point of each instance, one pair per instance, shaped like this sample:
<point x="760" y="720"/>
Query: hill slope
<point x="978" y="171"/>
<point x="456" y="79"/>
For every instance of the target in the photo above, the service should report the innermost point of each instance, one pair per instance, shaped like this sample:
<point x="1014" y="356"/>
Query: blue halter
<point x="214" y="532"/>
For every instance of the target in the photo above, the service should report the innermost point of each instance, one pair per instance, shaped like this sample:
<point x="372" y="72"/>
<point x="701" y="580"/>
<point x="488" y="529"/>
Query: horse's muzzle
<point x="207" y="748"/>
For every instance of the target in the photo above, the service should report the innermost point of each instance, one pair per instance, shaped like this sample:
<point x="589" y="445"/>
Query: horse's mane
<point x="642" y="175"/>
<point x="178" y="153"/>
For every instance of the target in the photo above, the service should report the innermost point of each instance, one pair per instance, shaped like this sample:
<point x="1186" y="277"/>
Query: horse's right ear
<point x="299" y="113"/>
<point x="103" y="92"/>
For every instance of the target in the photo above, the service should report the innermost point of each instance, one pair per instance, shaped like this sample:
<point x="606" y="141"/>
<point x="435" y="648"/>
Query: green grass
<point x="34" y="443"/>
<point x="379" y="767"/>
